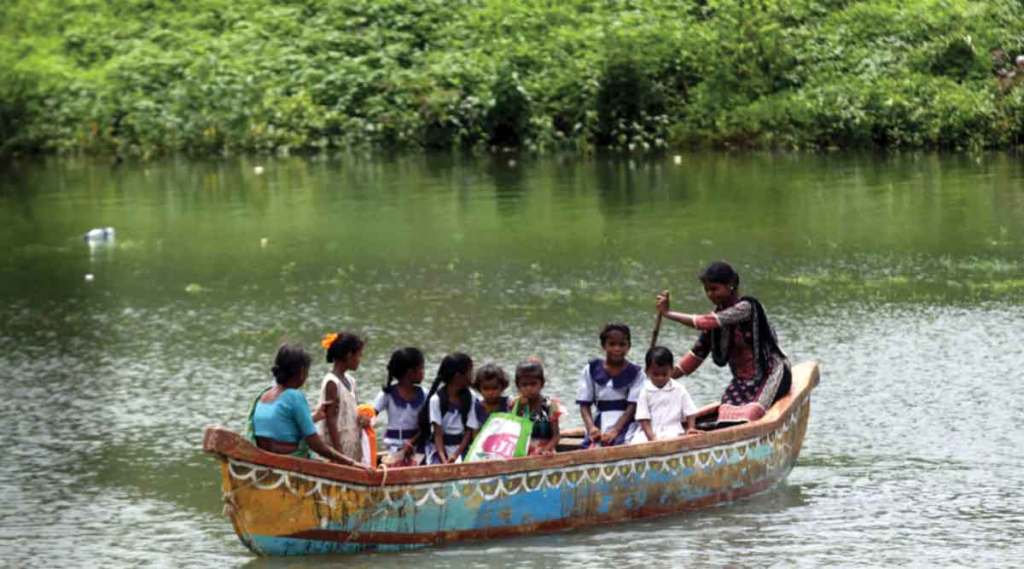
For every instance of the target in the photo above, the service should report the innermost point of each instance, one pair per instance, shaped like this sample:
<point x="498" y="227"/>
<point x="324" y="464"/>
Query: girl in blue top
<point x="280" y="421"/>
<point x="612" y="385"/>
<point x="402" y="402"/>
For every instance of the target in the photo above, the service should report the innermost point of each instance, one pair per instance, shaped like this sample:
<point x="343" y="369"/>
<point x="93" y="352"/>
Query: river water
<point x="903" y="275"/>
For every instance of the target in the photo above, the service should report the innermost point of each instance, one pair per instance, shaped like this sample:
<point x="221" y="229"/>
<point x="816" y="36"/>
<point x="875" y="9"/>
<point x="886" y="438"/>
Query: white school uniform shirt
<point x="597" y="388"/>
<point x="665" y="408"/>
<point x="478" y="414"/>
<point x="451" y="425"/>
<point x="403" y="416"/>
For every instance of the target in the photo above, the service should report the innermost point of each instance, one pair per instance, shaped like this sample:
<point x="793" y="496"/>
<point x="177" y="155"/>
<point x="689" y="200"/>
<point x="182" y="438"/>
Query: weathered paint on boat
<point x="281" y="505"/>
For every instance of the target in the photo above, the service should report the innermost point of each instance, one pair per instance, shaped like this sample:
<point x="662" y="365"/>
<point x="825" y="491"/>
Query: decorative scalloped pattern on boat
<point x="399" y="496"/>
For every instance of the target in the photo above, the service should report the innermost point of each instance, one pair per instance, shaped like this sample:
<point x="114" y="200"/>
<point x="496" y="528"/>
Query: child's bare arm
<point x="467" y="437"/>
<point x="323" y="449"/>
<point x="331" y="411"/>
<point x="588" y="423"/>
<point x="645" y="424"/>
<point x="409" y="447"/>
<point x="610" y="435"/>
<point x="691" y="425"/>
<point x="556" y="435"/>
<point x="439" y="442"/>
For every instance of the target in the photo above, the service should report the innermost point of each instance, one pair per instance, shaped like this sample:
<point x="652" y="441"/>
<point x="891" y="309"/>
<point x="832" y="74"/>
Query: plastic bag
<point x="504" y="435"/>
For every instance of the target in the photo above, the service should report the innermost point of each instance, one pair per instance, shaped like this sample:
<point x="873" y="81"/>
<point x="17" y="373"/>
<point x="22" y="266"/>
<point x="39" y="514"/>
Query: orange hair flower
<point x="366" y="410"/>
<point x="328" y="340"/>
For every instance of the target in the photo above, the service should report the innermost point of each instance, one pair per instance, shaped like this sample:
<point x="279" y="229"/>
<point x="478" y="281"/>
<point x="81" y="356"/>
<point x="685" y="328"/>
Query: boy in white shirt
<point x="663" y="403"/>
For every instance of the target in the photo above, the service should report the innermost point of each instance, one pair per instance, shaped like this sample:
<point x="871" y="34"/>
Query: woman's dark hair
<point x="659" y="355"/>
<point x="290" y="361"/>
<point x="720" y="272"/>
<point x="615" y="327"/>
<point x="531" y="367"/>
<point x="401" y="362"/>
<point x="490" y="372"/>
<point x="451" y="364"/>
<point x="346" y="343"/>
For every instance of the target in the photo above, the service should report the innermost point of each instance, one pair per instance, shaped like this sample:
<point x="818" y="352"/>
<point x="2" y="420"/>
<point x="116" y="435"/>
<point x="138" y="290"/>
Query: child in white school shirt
<point x="663" y="404"/>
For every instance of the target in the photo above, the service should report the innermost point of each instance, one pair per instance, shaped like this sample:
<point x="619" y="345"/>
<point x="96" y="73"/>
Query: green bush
<point x="210" y="77"/>
<point x="17" y="98"/>
<point x="507" y="122"/>
<point x="958" y="59"/>
<point x="629" y="104"/>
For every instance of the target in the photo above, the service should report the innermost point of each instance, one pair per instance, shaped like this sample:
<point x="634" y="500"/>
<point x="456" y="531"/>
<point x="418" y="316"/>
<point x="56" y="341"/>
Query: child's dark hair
<point x="531" y="367"/>
<point x="660" y="356"/>
<point x="451" y="364"/>
<point x="344" y="344"/>
<point x="488" y="373"/>
<point x="615" y="327"/>
<point x="402" y="361"/>
<point x="291" y="359"/>
<point x="720" y="272"/>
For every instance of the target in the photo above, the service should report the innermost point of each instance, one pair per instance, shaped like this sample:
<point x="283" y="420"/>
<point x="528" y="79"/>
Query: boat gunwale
<point x="227" y="444"/>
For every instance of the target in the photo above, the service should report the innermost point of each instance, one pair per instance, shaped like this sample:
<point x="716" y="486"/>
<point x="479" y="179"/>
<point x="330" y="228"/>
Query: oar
<point x="657" y="325"/>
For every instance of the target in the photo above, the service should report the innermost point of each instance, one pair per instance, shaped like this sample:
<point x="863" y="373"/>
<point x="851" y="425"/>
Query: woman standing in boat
<point x="280" y="421"/>
<point x="735" y="333"/>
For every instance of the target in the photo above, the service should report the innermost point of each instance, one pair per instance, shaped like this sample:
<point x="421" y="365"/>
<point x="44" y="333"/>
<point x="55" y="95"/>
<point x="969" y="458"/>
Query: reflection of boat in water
<point x="281" y="505"/>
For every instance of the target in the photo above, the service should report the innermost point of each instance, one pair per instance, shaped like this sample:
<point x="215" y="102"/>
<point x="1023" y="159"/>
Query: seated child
<point x="490" y="382"/>
<point x="543" y="411"/>
<point x="612" y="385"/>
<point x="663" y="403"/>
<point x="446" y="417"/>
<point x="402" y="402"/>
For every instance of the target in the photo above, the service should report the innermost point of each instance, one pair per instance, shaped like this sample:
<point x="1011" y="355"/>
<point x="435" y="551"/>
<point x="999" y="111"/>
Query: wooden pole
<point x="657" y="325"/>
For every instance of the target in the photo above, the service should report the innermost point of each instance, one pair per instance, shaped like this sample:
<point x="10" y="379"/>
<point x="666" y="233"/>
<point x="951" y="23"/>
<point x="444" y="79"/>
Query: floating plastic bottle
<point x="99" y="234"/>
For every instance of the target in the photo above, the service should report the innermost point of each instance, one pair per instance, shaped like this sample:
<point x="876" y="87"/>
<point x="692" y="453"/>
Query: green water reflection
<point x="889" y="268"/>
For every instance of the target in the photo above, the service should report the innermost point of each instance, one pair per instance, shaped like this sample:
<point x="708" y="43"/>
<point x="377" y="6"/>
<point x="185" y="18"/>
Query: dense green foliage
<point x="144" y="77"/>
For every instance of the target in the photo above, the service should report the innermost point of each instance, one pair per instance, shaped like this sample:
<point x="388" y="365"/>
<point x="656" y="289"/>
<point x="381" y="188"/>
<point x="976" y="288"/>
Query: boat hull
<point x="282" y="509"/>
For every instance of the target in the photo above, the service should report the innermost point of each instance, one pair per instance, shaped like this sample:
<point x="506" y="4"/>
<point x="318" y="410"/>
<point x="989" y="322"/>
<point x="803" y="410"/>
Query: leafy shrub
<point x="217" y="76"/>
<point x="627" y="101"/>
<point x="17" y="94"/>
<point x="958" y="59"/>
<point x="507" y="122"/>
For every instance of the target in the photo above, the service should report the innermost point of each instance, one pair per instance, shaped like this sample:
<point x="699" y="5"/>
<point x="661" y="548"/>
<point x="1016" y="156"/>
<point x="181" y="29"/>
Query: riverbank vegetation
<point x="212" y="77"/>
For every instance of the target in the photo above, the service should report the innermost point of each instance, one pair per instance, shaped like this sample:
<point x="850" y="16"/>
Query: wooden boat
<point x="281" y="505"/>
